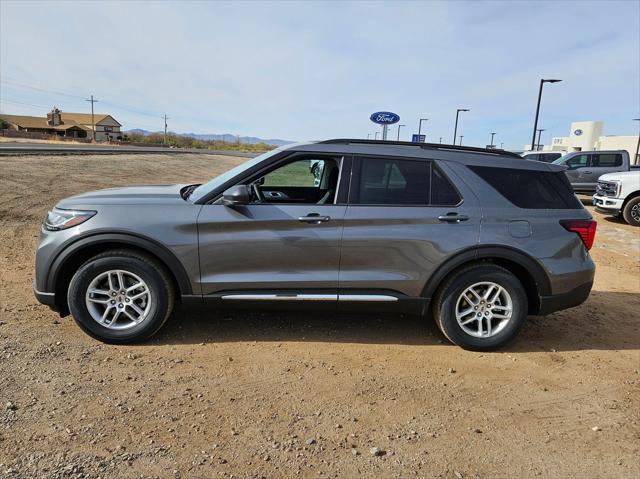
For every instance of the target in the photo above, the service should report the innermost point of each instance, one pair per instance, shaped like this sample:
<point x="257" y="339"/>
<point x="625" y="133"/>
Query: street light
<point x="420" y="125"/>
<point x="368" y="136"/>
<point x="398" y="137"/>
<point x="635" y="158"/>
<point x="493" y="133"/>
<point x="455" y="130"/>
<point x="461" y="137"/>
<point x="376" y="137"/>
<point x="539" y="135"/>
<point x="535" y="123"/>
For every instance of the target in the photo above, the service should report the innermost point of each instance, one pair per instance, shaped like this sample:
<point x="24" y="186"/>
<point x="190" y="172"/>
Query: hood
<point x="620" y="176"/>
<point x="130" y="195"/>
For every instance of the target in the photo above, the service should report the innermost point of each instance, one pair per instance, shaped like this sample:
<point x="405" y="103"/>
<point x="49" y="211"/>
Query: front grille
<point x="607" y="188"/>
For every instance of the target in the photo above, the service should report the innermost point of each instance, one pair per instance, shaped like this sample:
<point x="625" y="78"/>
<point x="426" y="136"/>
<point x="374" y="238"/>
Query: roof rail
<point x="424" y="146"/>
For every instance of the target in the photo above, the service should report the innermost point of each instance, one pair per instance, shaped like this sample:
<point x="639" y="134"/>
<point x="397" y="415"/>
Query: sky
<point x="317" y="70"/>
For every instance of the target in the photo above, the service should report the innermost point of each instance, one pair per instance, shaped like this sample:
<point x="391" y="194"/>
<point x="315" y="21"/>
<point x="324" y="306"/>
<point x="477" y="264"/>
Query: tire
<point x="631" y="212"/>
<point x="449" y="300"/>
<point x="135" y="268"/>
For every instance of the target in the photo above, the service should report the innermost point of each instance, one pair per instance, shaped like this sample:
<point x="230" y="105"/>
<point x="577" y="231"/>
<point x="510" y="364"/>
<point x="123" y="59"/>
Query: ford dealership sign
<point x="384" y="118"/>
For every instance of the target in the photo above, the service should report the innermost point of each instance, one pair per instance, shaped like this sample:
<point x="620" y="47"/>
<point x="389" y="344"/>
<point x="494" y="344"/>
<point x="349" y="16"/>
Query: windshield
<point x="560" y="161"/>
<point x="202" y="190"/>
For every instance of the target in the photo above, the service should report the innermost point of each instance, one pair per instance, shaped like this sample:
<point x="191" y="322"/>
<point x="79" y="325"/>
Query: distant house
<point x="75" y="125"/>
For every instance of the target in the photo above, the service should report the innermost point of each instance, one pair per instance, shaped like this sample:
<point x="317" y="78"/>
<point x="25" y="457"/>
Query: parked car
<point x="479" y="239"/>
<point x="544" y="156"/>
<point x="585" y="167"/>
<point x="619" y="194"/>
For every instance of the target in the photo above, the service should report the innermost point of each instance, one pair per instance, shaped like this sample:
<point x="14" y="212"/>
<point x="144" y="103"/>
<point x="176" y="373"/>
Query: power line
<point x="29" y="87"/>
<point x="4" y="100"/>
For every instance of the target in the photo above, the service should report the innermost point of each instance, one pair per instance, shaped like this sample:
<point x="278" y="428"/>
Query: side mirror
<point x="236" y="195"/>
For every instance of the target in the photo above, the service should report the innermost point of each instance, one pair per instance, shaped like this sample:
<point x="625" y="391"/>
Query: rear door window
<point x="396" y="181"/>
<point x="606" y="159"/>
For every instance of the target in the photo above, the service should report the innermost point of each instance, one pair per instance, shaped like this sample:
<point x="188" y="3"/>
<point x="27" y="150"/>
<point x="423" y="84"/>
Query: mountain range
<point x="222" y="137"/>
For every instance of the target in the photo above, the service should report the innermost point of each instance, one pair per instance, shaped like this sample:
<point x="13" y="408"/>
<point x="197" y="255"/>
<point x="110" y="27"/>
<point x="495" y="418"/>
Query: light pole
<point x="635" y="158"/>
<point x="535" y="123"/>
<point x="493" y="133"/>
<point x="455" y="129"/>
<point x="420" y="125"/>
<point x="376" y="137"/>
<point x="461" y="137"/>
<point x="441" y="140"/>
<point x="501" y="145"/>
<point x="368" y="136"/>
<point x="398" y="137"/>
<point x="539" y="135"/>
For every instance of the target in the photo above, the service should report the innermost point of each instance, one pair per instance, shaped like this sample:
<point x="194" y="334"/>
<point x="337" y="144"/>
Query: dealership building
<point x="587" y="136"/>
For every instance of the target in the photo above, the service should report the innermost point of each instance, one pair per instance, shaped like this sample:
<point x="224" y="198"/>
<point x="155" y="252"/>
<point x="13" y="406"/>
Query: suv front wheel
<point x="481" y="307"/>
<point x="120" y="296"/>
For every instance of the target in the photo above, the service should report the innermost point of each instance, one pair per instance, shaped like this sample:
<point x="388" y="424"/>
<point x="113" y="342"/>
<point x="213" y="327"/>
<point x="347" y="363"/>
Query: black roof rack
<point x="424" y="146"/>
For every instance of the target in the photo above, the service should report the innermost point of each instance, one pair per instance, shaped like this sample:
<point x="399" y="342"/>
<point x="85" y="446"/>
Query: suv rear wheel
<point x="481" y="307"/>
<point x="120" y="296"/>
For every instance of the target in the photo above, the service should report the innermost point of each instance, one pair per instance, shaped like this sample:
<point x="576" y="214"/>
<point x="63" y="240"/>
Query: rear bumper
<point x="557" y="302"/>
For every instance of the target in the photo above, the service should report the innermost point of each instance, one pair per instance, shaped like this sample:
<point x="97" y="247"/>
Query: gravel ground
<point x="297" y="395"/>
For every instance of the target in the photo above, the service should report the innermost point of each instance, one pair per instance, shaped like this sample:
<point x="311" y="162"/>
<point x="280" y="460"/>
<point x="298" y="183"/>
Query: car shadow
<point x="607" y="321"/>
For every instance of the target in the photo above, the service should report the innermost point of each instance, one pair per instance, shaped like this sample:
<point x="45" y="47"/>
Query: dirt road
<point x="297" y="395"/>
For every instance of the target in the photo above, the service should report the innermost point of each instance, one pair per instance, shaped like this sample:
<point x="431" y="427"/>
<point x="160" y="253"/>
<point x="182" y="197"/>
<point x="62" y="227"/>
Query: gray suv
<point x="478" y="239"/>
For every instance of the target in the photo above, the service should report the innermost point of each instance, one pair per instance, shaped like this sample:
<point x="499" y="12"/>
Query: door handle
<point x="453" y="218"/>
<point x="587" y="172"/>
<point x="314" y="218"/>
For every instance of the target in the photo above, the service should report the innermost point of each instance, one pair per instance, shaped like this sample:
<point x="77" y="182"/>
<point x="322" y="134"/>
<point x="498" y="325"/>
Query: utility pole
<point x="93" y="121"/>
<point x="165" y="128"/>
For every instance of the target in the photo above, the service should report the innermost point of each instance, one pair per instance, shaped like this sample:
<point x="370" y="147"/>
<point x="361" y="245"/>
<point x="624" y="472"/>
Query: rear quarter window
<point x="530" y="189"/>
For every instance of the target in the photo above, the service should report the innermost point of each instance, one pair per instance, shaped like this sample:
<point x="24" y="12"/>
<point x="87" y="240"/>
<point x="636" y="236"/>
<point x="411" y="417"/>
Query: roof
<point x="424" y="146"/>
<point x="41" y="122"/>
<point x="85" y="118"/>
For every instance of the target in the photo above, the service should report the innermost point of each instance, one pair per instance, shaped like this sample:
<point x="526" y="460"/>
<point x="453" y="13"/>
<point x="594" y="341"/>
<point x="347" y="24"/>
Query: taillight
<point x="586" y="229"/>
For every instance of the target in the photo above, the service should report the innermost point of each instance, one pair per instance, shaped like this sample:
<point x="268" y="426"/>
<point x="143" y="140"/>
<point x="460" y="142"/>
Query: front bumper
<point x="557" y="302"/>
<point x="607" y="204"/>
<point x="48" y="299"/>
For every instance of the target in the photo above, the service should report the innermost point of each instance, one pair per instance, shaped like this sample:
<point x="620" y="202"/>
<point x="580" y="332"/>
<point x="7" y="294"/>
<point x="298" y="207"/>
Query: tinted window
<point x="549" y="157"/>
<point x="389" y="181"/>
<point x="606" y="159"/>
<point x="530" y="189"/>
<point x="442" y="191"/>
<point x="577" y="161"/>
<point x="393" y="181"/>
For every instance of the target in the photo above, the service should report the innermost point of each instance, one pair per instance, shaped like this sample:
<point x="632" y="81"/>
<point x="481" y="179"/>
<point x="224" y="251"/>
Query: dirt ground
<point x="296" y="395"/>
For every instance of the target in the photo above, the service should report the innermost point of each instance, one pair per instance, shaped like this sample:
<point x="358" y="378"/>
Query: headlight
<point x="59" y="219"/>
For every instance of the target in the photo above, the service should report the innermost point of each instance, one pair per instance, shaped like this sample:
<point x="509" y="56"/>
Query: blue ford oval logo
<point x="384" y="118"/>
<point x="578" y="132"/>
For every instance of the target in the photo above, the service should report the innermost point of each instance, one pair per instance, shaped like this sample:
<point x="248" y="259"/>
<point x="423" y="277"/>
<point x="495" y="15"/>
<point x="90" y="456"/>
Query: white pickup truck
<point x="619" y="194"/>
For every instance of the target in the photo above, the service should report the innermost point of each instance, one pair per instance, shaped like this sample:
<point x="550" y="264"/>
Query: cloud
<point x="315" y="70"/>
